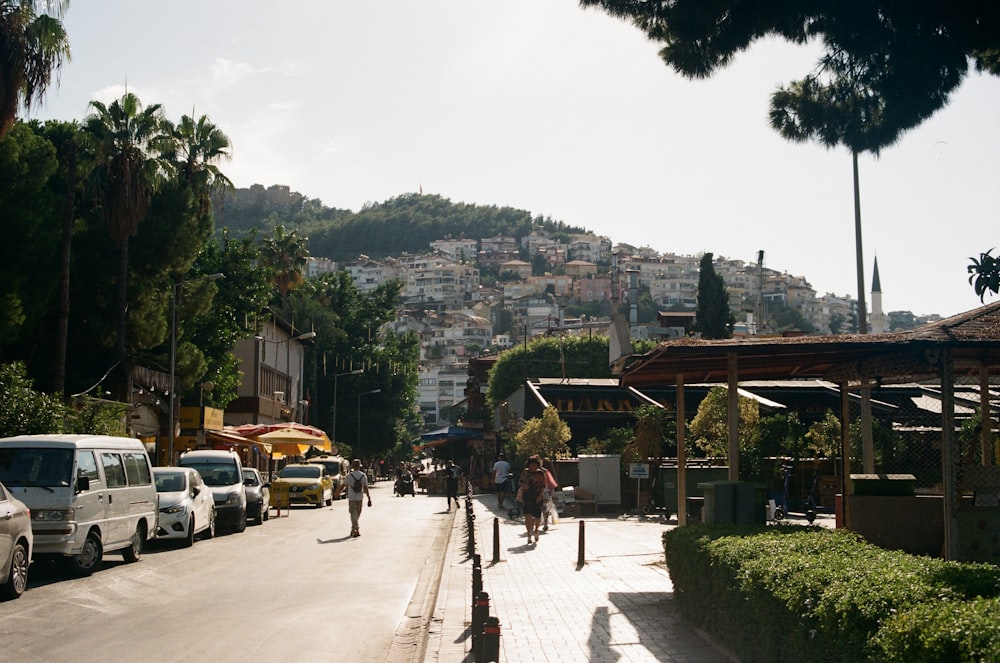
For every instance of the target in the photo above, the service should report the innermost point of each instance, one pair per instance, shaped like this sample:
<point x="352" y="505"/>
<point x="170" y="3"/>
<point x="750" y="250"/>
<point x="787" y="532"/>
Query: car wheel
<point x="258" y="518"/>
<point x="189" y="539"/>
<point x="17" y="580"/>
<point x="133" y="552"/>
<point x="210" y="530"/>
<point x="241" y="521"/>
<point x="90" y="558"/>
<point x="267" y="512"/>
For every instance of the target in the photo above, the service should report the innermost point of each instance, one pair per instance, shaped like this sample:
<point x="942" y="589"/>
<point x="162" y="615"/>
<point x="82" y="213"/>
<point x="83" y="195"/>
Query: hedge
<point x="810" y="594"/>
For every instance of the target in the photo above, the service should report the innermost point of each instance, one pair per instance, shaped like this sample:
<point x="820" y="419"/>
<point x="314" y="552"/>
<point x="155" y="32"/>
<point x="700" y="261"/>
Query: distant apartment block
<point x="317" y="266"/>
<point x="441" y="282"/>
<point x="494" y="251"/>
<point x="369" y="274"/>
<point x="459" y="250"/>
<point x="590" y="248"/>
<point x="592" y="289"/>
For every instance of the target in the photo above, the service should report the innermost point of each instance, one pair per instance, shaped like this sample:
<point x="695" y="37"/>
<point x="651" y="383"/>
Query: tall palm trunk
<point x="122" y="318"/>
<point x="62" y="321"/>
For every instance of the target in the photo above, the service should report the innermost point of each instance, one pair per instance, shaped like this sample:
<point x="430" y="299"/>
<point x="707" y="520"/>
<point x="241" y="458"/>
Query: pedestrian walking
<point x="357" y="491"/>
<point x="452" y="474"/>
<point x="501" y="470"/>
<point x="531" y="494"/>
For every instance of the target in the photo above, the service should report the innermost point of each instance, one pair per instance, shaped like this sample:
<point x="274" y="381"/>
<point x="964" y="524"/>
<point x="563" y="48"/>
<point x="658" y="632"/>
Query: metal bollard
<point x="488" y="649"/>
<point x="496" y="540"/>
<point x="480" y="611"/>
<point x="580" y="558"/>
<point x="477" y="582"/>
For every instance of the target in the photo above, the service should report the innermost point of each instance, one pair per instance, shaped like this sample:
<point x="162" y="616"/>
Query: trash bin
<point x="739" y="502"/>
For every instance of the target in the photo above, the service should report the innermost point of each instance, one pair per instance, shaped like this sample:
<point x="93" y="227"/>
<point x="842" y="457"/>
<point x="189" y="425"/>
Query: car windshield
<point x="250" y="478"/>
<point x="170" y="482"/>
<point x="28" y="466"/>
<point x="300" y="472"/>
<point x="217" y="474"/>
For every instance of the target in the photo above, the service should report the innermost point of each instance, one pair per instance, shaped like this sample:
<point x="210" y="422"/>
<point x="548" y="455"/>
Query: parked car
<point x="258" y="495"/>
<point x="186" y="505"/>
<point x="337" y="467"/>
<point x="88" y="495"/>
<point x="222" y="472"/>
<point x="307" y="483"/>
<point x="15" y="545"/>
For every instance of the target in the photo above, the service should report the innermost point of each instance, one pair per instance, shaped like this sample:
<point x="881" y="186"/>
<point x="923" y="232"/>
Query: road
<point x="295" y="588"/>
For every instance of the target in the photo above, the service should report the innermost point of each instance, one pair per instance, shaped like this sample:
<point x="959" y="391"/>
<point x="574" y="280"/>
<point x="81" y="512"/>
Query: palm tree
<point x="194" y="147"/>
<point x="32" y="46"/>
<point x="287" y="255"/>
<point x="126" y="172"/>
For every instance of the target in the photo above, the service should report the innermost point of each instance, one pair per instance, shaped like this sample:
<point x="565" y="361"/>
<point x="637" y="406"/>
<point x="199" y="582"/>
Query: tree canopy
<point x="713" y="317"/>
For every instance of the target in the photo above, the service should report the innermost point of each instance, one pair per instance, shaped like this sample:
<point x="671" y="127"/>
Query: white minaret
<point x="877" y="319"/>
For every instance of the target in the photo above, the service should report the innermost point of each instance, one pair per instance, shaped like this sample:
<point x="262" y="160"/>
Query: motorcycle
<point x="652" y="505"/>
<point x="404" y="485"/>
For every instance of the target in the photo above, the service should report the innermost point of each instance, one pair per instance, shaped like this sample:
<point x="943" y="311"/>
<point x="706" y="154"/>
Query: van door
<point x="90" y="505"/>
<point x="140" y="492"/>
<point x="116" y="500"/>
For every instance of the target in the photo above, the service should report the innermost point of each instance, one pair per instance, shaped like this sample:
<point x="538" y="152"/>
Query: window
<point x="137" y="469"/>
<point x="114" y="470"/>
<point x="86" y="466"/>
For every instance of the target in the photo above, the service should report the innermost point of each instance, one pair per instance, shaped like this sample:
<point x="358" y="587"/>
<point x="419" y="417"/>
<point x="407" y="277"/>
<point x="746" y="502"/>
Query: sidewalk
<point x="617" y="607"/>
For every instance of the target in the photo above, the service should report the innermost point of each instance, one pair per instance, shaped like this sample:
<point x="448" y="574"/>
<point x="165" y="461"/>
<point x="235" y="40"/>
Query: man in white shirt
<point x="357" y="490"/>
<point x="501" y="470"/>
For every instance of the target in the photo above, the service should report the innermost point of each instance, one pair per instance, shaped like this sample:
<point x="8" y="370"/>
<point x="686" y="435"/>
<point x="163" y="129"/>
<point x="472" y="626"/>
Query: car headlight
<point x="233" y="498"/>
<point x="53" y="515"/>
<point x="315" y="486"/>
<point x="174" y="509"/>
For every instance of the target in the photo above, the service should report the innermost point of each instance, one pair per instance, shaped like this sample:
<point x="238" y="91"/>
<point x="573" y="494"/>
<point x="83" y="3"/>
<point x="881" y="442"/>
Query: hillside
<point x="405" y="224"/>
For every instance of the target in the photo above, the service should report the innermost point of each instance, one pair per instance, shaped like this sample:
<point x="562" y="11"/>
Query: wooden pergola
<point x="967" y="344"/>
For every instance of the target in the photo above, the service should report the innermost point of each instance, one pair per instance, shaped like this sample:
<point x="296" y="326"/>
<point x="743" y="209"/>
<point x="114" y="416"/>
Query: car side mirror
<point x="196" y="491"/>
<point x="267" y="485"/>
<point x="82" y="484"/>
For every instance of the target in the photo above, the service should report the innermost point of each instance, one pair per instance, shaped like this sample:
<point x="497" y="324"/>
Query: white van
<point x="222" y="472"/>
<point x="88" y="494"/>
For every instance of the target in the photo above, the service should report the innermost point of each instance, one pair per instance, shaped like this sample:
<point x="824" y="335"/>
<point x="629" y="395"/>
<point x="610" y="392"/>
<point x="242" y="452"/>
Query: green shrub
<point x="806" y="594"/>
<point x="953" y="631"/>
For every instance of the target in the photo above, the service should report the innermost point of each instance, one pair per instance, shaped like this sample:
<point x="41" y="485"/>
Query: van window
<point x="114" y="471"/>
<point x="137" y="469"/>
<point x="32" y="466"/>
<point x="86" y="466"/>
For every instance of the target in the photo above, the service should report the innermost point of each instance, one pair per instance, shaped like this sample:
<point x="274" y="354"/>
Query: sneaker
<point x="545" y="528"/>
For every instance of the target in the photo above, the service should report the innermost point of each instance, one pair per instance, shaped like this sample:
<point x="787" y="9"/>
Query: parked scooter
<point x="653" y="505"/>
<point x="404" y="485"/>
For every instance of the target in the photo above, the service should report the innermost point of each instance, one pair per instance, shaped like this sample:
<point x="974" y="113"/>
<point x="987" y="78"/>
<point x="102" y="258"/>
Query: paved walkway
<point x="617" y="607"/>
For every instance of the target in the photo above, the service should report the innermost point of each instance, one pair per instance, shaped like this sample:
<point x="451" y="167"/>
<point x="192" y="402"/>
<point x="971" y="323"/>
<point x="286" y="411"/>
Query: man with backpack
<point x="357" y="490"/>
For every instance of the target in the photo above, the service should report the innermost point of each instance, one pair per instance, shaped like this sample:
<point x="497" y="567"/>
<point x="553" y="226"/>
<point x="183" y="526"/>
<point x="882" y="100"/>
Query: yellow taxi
<point x="306" y="483"/>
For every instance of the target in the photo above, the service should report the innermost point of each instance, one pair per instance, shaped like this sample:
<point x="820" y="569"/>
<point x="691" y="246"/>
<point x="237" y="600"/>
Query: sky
<point x="562" y="111"/>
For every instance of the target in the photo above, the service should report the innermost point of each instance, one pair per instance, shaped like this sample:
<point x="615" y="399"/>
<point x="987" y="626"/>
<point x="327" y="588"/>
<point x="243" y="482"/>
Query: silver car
<point x="258" y="495"/>
<point x="186" y="505"/>
<point x="15" y="545"/>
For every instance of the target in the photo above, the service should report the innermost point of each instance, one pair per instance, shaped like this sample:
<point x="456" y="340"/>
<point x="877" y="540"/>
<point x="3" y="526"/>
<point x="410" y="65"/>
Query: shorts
<point x="501" y="487"/>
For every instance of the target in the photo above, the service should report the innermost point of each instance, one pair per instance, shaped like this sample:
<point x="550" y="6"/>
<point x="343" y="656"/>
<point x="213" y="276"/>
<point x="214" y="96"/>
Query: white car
<point x="186" y="505"/>
<point x="15" y="545"/>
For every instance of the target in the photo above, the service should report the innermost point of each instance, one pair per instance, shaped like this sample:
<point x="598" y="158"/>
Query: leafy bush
<point x="942" y="631"/>
<point x="24" y="411"/>
<point x="807" y="594"/>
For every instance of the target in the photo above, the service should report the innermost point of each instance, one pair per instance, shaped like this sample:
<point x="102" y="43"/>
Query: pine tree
<point x="713" y="318"/>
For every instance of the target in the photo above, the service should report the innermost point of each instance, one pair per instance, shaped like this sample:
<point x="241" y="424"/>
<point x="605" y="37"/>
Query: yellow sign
<point x="208" y="418"/>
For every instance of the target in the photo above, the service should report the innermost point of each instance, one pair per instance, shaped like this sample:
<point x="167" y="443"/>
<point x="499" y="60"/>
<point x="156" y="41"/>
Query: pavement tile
<point x="616" y="608"/>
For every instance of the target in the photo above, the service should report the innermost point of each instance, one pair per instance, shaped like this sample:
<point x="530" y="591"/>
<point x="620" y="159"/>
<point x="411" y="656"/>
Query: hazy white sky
<point x="564" y="112"/>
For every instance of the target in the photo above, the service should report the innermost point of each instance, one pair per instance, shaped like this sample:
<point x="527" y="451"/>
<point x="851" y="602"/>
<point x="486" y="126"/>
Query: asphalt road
<point x="297" y="588"/>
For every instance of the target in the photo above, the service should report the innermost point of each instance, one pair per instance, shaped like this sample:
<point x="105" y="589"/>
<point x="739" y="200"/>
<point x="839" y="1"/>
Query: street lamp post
<point x="358" y="445"/>
<point x="173" y="361"/>
<point x="356" y="371"/>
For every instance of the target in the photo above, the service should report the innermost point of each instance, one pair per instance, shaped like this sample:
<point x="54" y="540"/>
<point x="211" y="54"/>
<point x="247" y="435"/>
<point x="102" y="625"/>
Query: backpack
<point x="529" y="494"/>
<point x="358" y="484"/>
